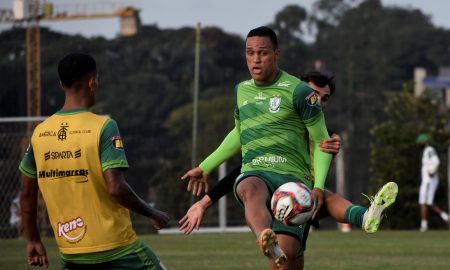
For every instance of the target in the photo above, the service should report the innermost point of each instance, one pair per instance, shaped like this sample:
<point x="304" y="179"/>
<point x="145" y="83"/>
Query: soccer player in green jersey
<point x="335" y="206"/>
<point x="274" y="113"/>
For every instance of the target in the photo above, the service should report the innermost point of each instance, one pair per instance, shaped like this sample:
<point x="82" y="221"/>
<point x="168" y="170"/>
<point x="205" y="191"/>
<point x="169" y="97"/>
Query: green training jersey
<point x="273" y="125"/>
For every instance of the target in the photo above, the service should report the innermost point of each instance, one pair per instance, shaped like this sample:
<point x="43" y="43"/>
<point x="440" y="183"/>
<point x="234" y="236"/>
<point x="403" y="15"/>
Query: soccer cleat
<point x="384" y="198"/>
<point x="268" y="244"/>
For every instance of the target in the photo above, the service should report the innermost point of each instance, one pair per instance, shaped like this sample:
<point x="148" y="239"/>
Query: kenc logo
<point x="62" y="154"/>
<point x="73" y="230"/>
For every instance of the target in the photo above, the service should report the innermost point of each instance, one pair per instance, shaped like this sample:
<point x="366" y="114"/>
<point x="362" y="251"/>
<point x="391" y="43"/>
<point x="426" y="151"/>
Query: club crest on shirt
<point x="117" y="142"/>
<point x="312" y="99"/>
<point x="274" y="104"/>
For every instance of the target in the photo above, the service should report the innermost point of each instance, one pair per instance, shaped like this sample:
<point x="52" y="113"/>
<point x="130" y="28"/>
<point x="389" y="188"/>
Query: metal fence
<point x="15" y="133"/>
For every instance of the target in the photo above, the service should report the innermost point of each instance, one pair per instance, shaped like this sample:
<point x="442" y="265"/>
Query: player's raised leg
<point x="253" y="193"/>
<point x="384" y="198"/>
<point x="342" y="210"/>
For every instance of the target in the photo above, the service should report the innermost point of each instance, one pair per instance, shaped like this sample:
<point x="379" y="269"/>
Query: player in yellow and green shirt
<point x="77" y="160"/>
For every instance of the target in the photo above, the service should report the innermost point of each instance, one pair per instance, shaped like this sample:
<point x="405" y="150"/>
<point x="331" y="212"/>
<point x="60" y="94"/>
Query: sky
<point x="233" y="16"/>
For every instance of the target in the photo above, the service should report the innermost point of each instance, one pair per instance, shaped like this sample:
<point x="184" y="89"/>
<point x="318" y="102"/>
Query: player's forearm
<point x="322" y="160"/>
<point x="229" y="147"/>
<point x="28" y="210"/>
<point x="224" y="186"/>
<point x="205" y="202"/>
<point x="122" y="193"/>
<point x="126" y="197"/>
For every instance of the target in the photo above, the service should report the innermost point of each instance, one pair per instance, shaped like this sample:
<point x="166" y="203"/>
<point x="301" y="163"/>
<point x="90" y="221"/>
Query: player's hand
<point x="36" y="254"/>
<point x="198" y="181"/>
<point x="317" y="195"/>
<point x="331" y="145"/>
<point x="159" y="219"/>
<point x="193" y="217"/>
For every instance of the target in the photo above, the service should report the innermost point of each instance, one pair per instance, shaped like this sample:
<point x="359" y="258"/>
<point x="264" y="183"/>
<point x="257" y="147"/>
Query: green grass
<point x="332" y="250"/>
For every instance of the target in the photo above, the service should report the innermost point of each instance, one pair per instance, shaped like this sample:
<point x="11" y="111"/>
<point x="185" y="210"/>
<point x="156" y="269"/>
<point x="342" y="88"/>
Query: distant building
<point x="440" y="83"/>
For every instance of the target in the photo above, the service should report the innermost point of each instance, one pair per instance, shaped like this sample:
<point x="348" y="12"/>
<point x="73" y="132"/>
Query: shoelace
<point x="370" y="198"/>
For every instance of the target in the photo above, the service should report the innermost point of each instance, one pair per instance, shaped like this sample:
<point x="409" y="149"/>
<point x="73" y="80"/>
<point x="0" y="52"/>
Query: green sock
<point x="355" y="214"/>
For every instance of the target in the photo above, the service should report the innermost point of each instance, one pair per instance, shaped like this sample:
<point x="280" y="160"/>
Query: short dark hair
<point x="74" y="67"/>
<point x="319" y="79"/>
<point x="264" y="31"/>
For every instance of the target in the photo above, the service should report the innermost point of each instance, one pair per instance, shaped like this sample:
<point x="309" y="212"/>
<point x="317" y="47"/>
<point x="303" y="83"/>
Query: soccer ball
<point x="292" y="203"/>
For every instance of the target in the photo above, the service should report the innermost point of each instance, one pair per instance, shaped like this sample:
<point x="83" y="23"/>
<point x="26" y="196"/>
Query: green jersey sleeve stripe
<point x="28" y="164"/>
<point x="27" y="171"/>
<point x="114" y="164"/>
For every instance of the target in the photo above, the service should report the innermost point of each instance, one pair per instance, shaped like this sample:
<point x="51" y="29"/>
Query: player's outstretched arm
<point x="194" y="216"/>
<point x="125" y="195"/>
<point x="36" y="254"/>
<point x="198" y="177"/>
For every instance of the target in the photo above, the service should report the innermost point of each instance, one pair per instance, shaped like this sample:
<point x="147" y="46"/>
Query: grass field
<point x="332" y="250"/>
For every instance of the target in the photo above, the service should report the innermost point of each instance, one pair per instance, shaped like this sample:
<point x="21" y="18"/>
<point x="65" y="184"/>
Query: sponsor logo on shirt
<point x="260" y="96"/>
<point x="117" y="142"/>
<point x="73" y="230"/>
<point x="274" y="104"/>
<point x="62" y="154"/>
<point x="284" y="84"/>
<point x="268" y="161"/>
<point x="79" y="176"/>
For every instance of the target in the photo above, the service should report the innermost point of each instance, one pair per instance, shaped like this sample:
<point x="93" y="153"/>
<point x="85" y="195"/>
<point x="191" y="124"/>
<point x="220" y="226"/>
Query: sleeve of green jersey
<point x="306" y="103"/>
<point x="112" y="153"/>
<point x="28" y="164"/>
<point x="229" y="146"/>
<point x="318" y="131"/>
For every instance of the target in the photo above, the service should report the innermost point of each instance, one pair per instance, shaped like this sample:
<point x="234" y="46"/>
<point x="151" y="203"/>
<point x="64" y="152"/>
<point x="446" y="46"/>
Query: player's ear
<point x="93" y="83"/>
<point x="277" y="53"/>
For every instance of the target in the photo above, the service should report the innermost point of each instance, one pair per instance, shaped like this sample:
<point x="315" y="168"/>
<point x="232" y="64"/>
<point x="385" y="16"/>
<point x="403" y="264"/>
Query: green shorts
<point x="141" y="258"/>
<point x="273" y="181"/>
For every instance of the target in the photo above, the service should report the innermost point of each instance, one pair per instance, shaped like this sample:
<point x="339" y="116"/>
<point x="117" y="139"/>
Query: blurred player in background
<point x="335" y="205"/>
<point x="430" y="181"/>
<point x="14" y="219"/>
<point x="77" y="160"/>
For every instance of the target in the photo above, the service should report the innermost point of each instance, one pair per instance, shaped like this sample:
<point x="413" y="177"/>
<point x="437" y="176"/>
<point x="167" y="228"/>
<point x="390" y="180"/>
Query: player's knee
<point x="252" y="188"/>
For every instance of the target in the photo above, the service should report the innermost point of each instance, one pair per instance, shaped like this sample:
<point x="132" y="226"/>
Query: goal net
<point x="15" y="133"/>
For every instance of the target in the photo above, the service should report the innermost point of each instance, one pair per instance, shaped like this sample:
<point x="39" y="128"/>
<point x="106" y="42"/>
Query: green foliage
<point x="395" y="156"/>
<point x="146" y="85"/>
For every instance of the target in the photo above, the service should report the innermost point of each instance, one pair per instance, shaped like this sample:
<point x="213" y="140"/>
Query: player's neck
<point x="77" y="101"/>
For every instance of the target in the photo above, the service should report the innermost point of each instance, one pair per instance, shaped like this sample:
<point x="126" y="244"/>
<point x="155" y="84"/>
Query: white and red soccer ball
<point x="292" y="203"/>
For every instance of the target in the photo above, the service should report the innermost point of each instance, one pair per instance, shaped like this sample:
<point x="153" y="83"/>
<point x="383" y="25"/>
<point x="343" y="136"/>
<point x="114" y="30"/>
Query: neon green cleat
<point x="268" y="244"/>
<point x="384" y="198"/>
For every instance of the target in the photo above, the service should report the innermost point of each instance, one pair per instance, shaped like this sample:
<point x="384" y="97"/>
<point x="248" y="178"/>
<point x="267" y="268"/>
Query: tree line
<point x="146" y="85"/>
